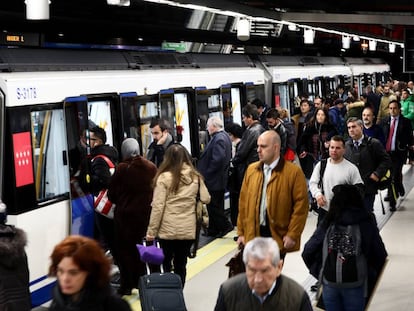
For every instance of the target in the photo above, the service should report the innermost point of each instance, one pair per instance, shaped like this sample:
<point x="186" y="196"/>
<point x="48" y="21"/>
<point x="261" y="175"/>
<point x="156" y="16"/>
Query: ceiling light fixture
<point x="372" y="45"/>
<point x="346" y="42"/>
<point x="37" y="9"/>
<point x="292" y="27"/>
<point x="308" y="36"/>
<point x="119" y="2"/>
<point x="243" y="29"/>
<point x="239" y="15"/>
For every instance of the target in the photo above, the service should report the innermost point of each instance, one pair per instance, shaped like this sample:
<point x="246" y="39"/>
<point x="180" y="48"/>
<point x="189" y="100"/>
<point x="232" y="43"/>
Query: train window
<point x="182" y="122"/>
<point x="283" y="92"/>
<point x="99" y="112"/>
<point x="147" y="111"/>
<point x="49" y="147"/>
<point x="236" y="105"/>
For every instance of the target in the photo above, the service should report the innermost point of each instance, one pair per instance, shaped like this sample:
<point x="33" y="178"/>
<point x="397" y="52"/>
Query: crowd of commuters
<point x="273" y="165"/>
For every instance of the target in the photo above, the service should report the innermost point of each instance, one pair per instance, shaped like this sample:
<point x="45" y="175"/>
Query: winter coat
<point x="173" y="214"/>
<point x="14" y="271"/>
<point x="214" y="162"/>
<point x="247" y="149"/>
<point x="313" y="140"/>
<point x="131" y="190"/>
<point x="236" y="295"/>
<point x="156" y="152"/>
<point x="407" y="109"/>
<point x="100" y="174"/>
<point x="370" y="158"/>
<point x="90" y="300"/>
<point x="287" y="208"/>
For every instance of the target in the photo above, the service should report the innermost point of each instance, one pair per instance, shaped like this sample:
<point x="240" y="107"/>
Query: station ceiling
<point x="144" y="23"/>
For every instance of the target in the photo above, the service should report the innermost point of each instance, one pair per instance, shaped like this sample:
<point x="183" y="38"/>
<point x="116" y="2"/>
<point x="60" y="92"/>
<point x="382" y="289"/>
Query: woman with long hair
<point x="314" y="143"/>
<point x="173" y="215"/>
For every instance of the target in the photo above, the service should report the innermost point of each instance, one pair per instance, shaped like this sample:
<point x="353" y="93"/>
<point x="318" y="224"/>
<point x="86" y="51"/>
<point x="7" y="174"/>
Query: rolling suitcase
<point x="161" y="291"/>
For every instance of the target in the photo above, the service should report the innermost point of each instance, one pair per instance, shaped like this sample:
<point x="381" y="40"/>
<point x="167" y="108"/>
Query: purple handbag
<point x="151" y="254"/>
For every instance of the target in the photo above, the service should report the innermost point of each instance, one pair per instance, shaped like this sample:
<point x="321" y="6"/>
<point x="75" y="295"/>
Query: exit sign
<point x="174" y="46"/>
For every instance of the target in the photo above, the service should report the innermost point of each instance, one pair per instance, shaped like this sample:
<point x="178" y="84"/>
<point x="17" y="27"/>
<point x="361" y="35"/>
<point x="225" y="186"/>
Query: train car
<point x="50" y="98"/>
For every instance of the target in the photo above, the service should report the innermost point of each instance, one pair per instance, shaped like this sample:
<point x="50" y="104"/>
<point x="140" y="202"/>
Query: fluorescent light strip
<point x="266" y="19"/>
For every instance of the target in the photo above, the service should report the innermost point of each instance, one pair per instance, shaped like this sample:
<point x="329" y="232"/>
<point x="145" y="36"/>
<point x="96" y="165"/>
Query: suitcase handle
<point x="157" y="244"/>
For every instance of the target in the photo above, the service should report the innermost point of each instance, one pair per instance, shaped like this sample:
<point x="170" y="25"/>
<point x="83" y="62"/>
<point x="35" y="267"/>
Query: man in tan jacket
<point x="273" y="198"/>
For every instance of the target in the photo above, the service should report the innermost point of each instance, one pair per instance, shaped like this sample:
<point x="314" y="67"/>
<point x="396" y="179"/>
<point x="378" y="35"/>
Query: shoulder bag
<point x="101" y="203"/>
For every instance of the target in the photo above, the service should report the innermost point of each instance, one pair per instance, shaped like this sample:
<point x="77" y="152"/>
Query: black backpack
<point x="344" y="264"/>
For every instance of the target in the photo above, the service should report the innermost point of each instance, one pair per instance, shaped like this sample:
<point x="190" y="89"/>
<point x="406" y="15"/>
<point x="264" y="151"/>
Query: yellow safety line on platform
<point x="209" y="254"/>
<point x="206" y="256"/>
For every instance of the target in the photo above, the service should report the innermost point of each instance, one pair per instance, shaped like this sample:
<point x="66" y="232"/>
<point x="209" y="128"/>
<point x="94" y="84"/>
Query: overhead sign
<point x="174" y="46"/>
<point x="20" y="38"/>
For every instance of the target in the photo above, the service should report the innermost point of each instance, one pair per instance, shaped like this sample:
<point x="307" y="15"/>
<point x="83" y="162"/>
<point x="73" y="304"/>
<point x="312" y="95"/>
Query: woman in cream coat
<point x="173" y="218"/>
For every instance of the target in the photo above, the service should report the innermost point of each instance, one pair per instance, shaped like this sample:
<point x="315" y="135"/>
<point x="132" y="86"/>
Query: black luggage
<point x="161" y="291"/>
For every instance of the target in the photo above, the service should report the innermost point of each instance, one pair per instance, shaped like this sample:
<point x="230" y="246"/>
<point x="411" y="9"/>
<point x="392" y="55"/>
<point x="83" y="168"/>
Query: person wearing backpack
<point x="346" y="252"/>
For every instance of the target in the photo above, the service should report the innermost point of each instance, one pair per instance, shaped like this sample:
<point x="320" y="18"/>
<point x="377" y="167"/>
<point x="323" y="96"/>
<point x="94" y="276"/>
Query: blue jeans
<point x="343" y="299"/>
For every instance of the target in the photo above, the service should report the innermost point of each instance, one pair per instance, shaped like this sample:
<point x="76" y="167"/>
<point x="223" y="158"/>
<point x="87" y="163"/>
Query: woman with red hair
<point x="83" y="275"/>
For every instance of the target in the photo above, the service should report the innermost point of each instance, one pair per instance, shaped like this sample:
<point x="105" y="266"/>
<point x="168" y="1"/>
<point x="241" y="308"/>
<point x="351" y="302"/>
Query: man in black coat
<point x="398" y="134"/>
<point x="214" y="165"/>
<point x="100" y="177"/>
<point x="369" y="156"/>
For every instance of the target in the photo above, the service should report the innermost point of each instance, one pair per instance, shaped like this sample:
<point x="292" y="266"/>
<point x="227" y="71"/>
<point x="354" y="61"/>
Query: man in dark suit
<point x="399" y="137"/>
<point x="214" y="165"/>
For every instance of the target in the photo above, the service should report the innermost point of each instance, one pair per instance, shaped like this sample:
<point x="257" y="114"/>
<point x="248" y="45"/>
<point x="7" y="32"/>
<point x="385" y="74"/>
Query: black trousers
<point x="218" y="221"/>
<point x="176" y="253"/>
<point x="104" y="233"/>
<point x="397" y="165"/>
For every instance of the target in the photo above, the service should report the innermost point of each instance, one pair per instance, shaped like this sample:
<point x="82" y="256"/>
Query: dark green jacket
<point x="236" y="295"/>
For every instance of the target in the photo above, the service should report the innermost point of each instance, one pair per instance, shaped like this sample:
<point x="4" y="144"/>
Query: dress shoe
<point x="392" y="209"/>
<point x="224" y="232"/>
<point x="210" y="233"/>
<point x="315" y="287"/>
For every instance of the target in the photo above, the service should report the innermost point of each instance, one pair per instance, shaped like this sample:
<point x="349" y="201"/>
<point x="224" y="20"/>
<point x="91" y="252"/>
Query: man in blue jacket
<point x="214" y="165"/>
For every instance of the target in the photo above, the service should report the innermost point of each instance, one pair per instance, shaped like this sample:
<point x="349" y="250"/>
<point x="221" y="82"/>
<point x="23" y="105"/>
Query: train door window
<point x="231" y="99"/>
<point x="182" y="122"/>
<point x="310" y="86"/>
<point x="236" y="105"/>
<point x="208" y="104"/>
<point x="254" y="91"/>
<point x="294" y="99"/>
<point x="318" y="86"/>
<point x="99" y="112"/>
<point x="49" y="147"/>
<point x="148" y="109"/>
<point x="281" y="95"/>
<point x="225" y="92"/>
<point x="167" y="109"/>
<point x="137" y="113"/>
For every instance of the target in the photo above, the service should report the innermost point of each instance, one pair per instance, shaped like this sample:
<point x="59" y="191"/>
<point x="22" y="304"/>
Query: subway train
<point x="50" y="97"/>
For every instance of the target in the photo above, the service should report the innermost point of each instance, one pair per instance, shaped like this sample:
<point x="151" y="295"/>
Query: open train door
<point x="175" y="109"/>
<point x="232" y="101"/>
<point x="81" y="201"/>
<point x="137" y="112"/>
